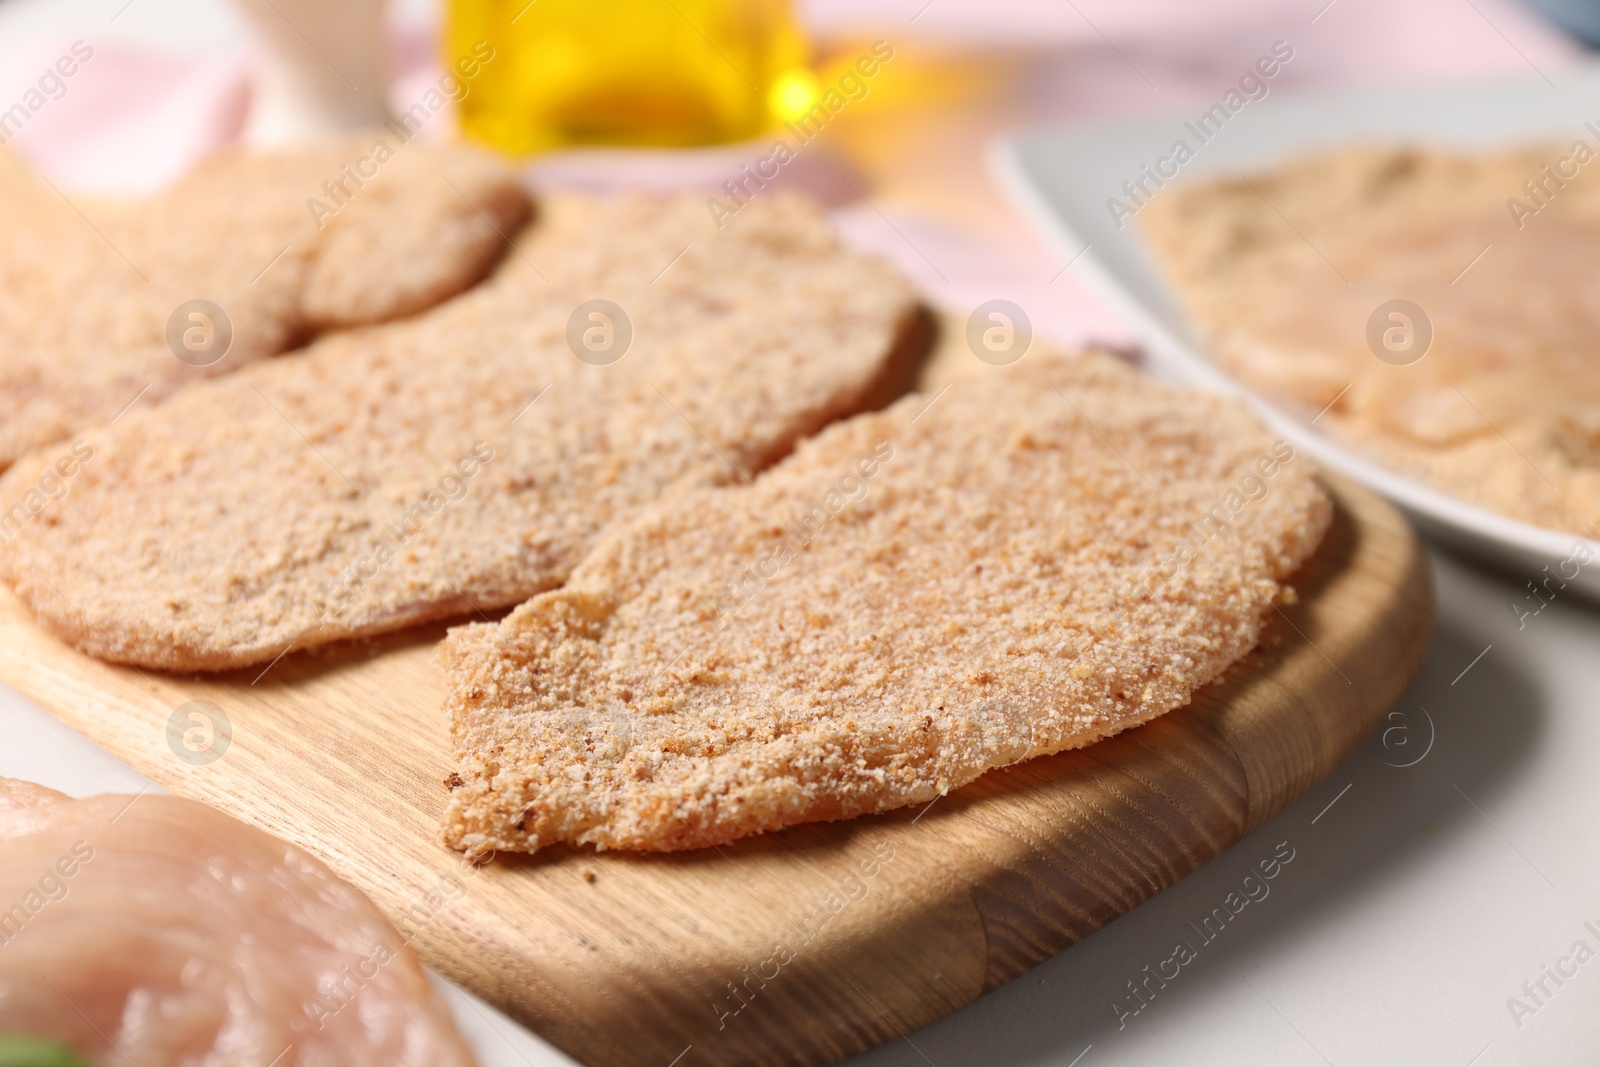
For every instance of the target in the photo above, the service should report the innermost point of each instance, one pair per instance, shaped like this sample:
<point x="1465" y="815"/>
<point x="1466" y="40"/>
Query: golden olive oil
<point x="628" y="72"/>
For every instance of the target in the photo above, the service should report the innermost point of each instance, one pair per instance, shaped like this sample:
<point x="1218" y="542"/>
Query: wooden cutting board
<point x="800" y="947"/>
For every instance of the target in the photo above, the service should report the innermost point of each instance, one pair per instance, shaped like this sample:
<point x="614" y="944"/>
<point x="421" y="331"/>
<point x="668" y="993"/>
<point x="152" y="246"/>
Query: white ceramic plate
<point x="1063" y="178"/>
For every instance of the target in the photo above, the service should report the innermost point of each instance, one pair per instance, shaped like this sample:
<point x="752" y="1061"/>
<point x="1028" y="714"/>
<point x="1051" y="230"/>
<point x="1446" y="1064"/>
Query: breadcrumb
<point x="1036" y="561"/>
<point x="85" y="299"/>
<point x="467" y="458"/>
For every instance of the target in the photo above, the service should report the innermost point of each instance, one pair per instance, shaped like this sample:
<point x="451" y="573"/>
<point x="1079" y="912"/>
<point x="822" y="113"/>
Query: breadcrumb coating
<point x="1027" y="562"/>
<point x="1286" y="273"/>
<point x="467" y="458"/>
<point x="85" y="298"/>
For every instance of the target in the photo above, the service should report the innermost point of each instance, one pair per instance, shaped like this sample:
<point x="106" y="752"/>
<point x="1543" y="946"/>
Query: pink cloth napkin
<point x="126" y="120"/>
<point x="131" y="118"/>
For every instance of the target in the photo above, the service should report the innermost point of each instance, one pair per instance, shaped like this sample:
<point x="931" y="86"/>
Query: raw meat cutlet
<point x="1498" y="403"/>
<point x="912" y="598"/>
<point x="85" y="300"/>
<point x="465" y="459"/>
<point x="154" y="931"/>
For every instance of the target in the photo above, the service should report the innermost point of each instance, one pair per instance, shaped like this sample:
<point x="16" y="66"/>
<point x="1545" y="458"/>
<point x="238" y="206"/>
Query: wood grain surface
<point x="799" y="947"/>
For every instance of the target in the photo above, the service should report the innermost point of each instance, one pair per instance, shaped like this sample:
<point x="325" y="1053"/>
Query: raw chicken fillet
<point x="150" y="931"/>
